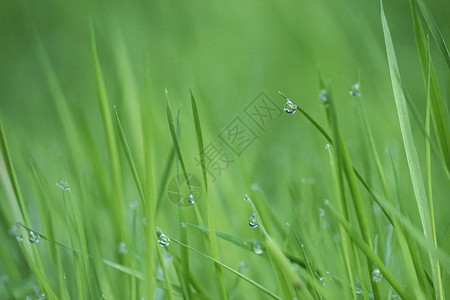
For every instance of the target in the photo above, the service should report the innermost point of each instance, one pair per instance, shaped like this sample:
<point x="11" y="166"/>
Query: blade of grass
<point x="438" y="287"/>
<point x="403" y="242"/>
<point x="251" y="281"/>
<point x="371" y="256"/>
<point x="331" y="142"/>
<point x="247" y="245"/>
<point x="438" y="112"/>
<point x="209" y="207"/>
<point x="131" y="164"/>
<point x="405" y="126"/>
<point x="434" y="28"/>
<point x="116" y="195"/>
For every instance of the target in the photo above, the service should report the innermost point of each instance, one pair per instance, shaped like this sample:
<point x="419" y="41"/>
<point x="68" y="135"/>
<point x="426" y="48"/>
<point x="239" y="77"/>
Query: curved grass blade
<point x="116" y="197"/>
<point x="438" y="112"/>
<point x="198" y="131"/>
<point x="331" y="142"/>
<point x="247" y="245"/>
<point x="174" y="137"/>
<point x="371" y="256"/>
<point x="209" y="210"/>
<point x="249" y="280"/>
<point x="434" y="28"/>
<point x="405" y="126"/>
<point x="127" y="151"/>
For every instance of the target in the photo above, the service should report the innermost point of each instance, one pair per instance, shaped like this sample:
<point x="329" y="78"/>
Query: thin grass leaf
<point x="116" y="197"/>
<point x="198" y="131"/>
<point x="371" y="256"/>
<point x="251" y="281"/>
<point x="434" y="28"/>
<point x="174" y="137"/>
<point x="405" y="126"/>
<point x="247" y="245"/>
<point x="331" y="142"/>
<point x="438" y="112"/>
<point x="131" y="164"/>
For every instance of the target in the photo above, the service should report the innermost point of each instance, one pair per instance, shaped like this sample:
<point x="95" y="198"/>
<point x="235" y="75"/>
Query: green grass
<point x="349" y="193"/>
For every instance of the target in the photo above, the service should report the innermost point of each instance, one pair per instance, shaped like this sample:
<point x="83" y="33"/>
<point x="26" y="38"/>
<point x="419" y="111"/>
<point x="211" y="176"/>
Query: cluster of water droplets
<point x="191" y="198"/>
<point x="163" y="239"/>
<point x="15" y="231"/>
<point x="34" y="237"/>
<point x="354" y="90"/>
<point x="377" y="276"/>
<point x="62" y="184"/>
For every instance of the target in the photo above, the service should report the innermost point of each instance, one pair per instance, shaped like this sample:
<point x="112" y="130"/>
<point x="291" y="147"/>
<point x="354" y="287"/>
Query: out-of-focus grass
<point x="58" y="87"/>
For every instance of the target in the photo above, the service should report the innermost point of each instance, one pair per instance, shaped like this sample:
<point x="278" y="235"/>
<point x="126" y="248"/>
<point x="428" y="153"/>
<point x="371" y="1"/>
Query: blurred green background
<point x="227" y="52"/>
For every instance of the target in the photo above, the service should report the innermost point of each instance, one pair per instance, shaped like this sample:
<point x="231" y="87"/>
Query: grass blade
<point x="127" y="151"/>
<point x="198" y="131"/>
<point x="116" y="197"/>
<point x="249" y="280"/>
<point x="405" y="126"/>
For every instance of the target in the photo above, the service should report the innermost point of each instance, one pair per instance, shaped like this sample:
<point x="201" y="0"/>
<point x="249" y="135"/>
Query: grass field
<point x="224" y="150"/>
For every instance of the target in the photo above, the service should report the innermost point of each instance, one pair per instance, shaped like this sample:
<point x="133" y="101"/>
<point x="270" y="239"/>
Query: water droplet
<point x="376" y="275"/>
<point x="103" y="296"/>
<point x="354" y="90"/>
<point x="323" y="97"/>
<point x="28" y="298"/>
<point x="243" y="267"/>
<point x="252" y="221"/>
<point x="255" y="186"/>
<point x="144" y="221"/>
<point x="184" y="225"/>
<point x="358" y="291"/>
<point x="290" y="107"/>
<point x="34" y="237"/>
<point x="62" y="184"/>
<point x="327" y="147"/>
<point x="123" y="248"/>
<point x="326" y="202"/>
<point x="42" y="296"/>
<point x="321" y="212"/>
<point x="246" y="197"/>
<point x="258" y="247"/>
<point x="15" y="231"/>
<point x="133" y="205"/>
<point x="191" y="198"/>
<point x="163" y="239"/>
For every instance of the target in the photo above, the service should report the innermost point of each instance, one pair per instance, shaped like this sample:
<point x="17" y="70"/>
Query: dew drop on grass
<point x="358" y="291"/>
<point x="258" y="247"/>
<point x="163" y="239"/>
<point x="321" y="212"/>
<point x="42" y="296"/>
<point x="62" y="184"/>
<point x="191" y="198"/>
<point x="252" y="221"/>
<point x="246" y="197"/>
<point x="290" y="107"/>
<point x="376" y="275"/>
<point x="34" y="237"/>
<point x="327" y="147"/>
<point x="354" y="90"/>
<point x="28" y="298"/>
<point x="123" y="248"/>
<point x="323" y="97"/>
<point x="15" y="231"/>
<point x="133" y="205"/>
<point x="243" y="267"/>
